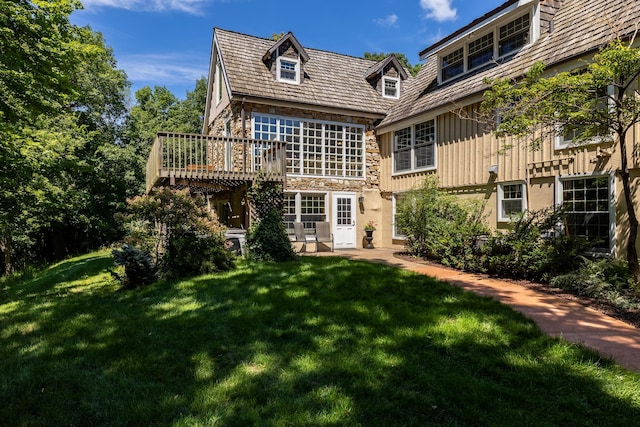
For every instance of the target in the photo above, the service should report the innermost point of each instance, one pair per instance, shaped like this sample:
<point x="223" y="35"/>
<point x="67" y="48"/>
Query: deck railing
<point x="205" y="158"/>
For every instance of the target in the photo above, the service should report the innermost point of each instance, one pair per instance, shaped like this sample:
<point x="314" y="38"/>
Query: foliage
<point x="404" y="61"/>
<point x="439" y="226"/>
<point x="178" y="231"/>
<point x="370" y="226"/>
<point x="139" y="268"/>
<point x="534" y="248"/>
<point x="267" y="238"/>
<point x="323" y="341"/>
<point x="538" y="108"/>
<point x="604" y="279"/>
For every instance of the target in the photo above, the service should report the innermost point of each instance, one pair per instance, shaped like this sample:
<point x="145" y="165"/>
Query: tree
<point x="577" y="103"/>
<point x="413" y="69"/>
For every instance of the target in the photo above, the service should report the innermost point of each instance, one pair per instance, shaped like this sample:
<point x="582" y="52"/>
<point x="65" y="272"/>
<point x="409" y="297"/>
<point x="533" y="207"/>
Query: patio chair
<point x="298" y="229"/>
<point x="324" y="234"/>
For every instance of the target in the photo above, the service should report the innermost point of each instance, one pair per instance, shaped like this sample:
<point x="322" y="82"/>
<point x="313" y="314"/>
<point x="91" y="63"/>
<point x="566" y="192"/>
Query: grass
<point x="324" y="341"/>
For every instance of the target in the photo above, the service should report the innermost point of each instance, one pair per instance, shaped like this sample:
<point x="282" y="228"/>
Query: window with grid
<point x="391" y="87"/>
<point x="414" y="147"/>
<point x="289" y="212"/>
<point x="514" y="35"/>
<point x="265" y="128"/>
<point x="290" y="133"/>
<point x="315" y="148"/>
<point x="288" y="70"/>
<point x="511" y="201"/>
<point x="312" y="147"/>
<point x="480" y="51"/>
<point x="333" y="149"/>
<point x="571" y="133"/>
<point x="424" y="144"/>
<point x="453" y="64"/>
<point x="397" y="232"/>
<point x="402" y="149"/>
<point x="587" y="201"/>
<point x="312" y="210"/>
<point x="353" y="153"/>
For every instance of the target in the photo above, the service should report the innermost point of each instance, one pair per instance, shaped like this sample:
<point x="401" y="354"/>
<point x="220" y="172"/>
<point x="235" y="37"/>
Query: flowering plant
<point x="370" y="226"/>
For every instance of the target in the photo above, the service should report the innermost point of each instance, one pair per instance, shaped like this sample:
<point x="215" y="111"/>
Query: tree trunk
<point x="632" y="252"/>
<point x="5" y="245"/>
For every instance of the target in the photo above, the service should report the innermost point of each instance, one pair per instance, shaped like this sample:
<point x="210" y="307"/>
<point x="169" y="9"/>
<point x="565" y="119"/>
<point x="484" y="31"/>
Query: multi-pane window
<point x="314" y="147"/>
<point x="498" y="42"/>
<point x="305" y="208"/>
<point x="397" y="232"/>
<point x="414" y="147"/>
<point x="511" y="201"/>
<point x="570" y="134"/>
<point x="514" y="35"/>
<point x="453" y="64"/>
<point x="265" y="128"/>
<point x="312" y="143"/>
<point x="391" y="87"/>
<point x="288" y="70"/>
<point x="588" y="202"/>
<point x="312" y="210"/>
<point x="480" y="51"/>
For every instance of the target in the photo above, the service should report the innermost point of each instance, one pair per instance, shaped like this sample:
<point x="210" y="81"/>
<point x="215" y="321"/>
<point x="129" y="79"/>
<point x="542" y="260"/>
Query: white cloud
<point x="389" y="21"/>
<point x="440" y="10"/>
<point x="163" y="69"/>
<point x="193" y="7"/>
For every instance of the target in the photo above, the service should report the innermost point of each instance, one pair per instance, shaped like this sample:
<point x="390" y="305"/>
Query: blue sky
<point x="168" y="42"/>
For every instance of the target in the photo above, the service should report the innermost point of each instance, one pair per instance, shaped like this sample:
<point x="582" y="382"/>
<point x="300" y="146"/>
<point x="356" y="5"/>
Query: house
<point x="439" y="114"/>
<point x="348" y="136"/>
<point x="324" y="106"/>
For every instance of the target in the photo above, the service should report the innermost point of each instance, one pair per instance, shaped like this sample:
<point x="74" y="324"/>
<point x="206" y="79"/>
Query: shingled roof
<point x="331" y="80"/>
<point x="580" y="28"/>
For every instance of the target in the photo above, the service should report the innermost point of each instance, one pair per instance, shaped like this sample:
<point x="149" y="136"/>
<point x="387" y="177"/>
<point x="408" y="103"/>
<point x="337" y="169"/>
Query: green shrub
<point x="267" y="239"/>
<point x="178" y="231"/>
<point x="139" y="268"/>
<point x="438" y="226"/>
<point x="524" y="253"/>
<point x="603" y="279"/>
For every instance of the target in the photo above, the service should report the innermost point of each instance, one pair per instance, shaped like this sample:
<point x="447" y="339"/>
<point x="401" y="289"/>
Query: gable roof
<point x="581" y="27"/>
<point x="380" y="66"/>
<point x="289" y="37"/>
<point x="331" y="80"/>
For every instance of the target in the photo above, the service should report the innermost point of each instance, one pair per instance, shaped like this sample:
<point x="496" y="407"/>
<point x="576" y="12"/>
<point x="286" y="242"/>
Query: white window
<point x="397" y="233"/>
<point x="512" y="200"/>
<point x="316" y="148"/>
<point x="498" y="42"/>
<point x="391" y="87"/>
<point x="414" y="147"/>
<point x="568" y="137"/>
<point x="514" y="35"/>
<point x="590" y="213"/>
<point x="288" y="70"/>
<point x="307" y="208"/>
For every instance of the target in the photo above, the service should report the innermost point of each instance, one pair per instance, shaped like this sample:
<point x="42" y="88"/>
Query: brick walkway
<point x="555" y="316"/>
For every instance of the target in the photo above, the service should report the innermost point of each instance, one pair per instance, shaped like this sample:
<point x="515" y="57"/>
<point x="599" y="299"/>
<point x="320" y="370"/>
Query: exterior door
<point x="344" y="220"/>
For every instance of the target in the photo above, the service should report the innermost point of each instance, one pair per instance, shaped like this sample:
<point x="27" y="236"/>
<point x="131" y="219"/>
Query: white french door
<point x="344" y="220"/>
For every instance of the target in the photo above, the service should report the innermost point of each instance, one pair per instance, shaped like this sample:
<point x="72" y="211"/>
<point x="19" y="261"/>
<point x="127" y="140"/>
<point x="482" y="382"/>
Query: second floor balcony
<point x="213" y="162"/>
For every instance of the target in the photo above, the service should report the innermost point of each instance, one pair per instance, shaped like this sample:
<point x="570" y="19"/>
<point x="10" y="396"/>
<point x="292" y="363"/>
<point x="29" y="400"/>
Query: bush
<point x="438" y="226"/>
<point x="603" y="279"/>
<point x="523" y="252"/>
<point x="267" y="239"/>
<point x="139" y="268"/>
<point x="178" y="231"/>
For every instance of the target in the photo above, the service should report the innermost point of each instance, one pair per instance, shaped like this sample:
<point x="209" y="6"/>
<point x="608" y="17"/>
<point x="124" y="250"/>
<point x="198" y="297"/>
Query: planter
<point x="369" y="237"/>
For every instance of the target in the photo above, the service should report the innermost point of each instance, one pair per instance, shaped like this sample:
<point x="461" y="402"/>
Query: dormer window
<point x="514" y="35"/>
<point x="500" y="41"/>
<point x="288" y="70"/>
<point x="391" y="87"/>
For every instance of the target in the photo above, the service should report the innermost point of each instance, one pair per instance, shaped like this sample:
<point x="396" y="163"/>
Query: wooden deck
<point x="213" y="163"/>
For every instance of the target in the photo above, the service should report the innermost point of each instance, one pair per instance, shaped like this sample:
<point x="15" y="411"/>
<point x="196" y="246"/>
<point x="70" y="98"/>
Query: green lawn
<point x="322" y="341"/>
